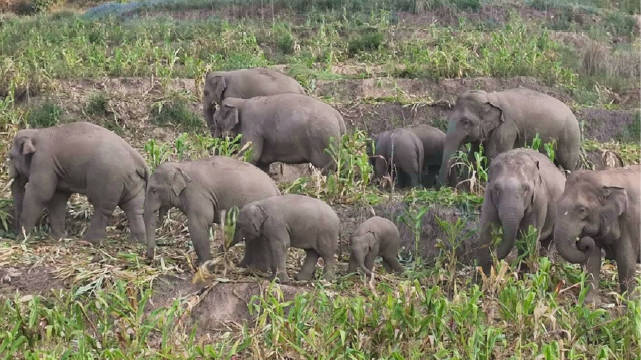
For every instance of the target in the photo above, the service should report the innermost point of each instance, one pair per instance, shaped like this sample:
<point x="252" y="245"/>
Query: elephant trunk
<point x="150" y="217"/>
<point x="511" y="216"/>
<point x="452" y="143"/>
<point x="567" y="246"/>
<point x="209" y="109"/>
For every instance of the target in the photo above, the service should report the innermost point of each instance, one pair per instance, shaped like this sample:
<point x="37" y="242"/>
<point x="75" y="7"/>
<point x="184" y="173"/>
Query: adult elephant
<point x="244" y="84"/>
<point x="507" y="119"/>
<point x="201" y="189"/>
<point x="433" y="140"/>
<point x="602" y="209"/>
<point x="399" y="151"/>
<point x="48" y="165"/>
<point x="289" y="128"/>
<point x="523" y="189"/>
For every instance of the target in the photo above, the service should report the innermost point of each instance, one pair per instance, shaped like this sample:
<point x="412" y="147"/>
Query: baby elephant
<point x="376" y="236"/>
<point x="201" y="189"/>
<point x="399" y="150"/>
<point x="524" y="188"/>
<point x="49" y="164"/>
<point x="291" y="220"/>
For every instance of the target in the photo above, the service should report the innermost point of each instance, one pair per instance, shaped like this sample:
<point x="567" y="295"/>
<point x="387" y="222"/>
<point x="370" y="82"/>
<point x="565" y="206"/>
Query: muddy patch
<point x="214" y="306"/>
<point x="34" y="280"/>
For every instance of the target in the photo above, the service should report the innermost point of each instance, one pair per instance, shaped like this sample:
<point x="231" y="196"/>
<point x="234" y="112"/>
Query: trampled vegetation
<point x="67" y="299"/>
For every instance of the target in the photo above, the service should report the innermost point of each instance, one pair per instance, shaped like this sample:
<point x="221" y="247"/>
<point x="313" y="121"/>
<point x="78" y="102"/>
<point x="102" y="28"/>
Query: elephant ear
<point x="493" y="114"/>
<point x="179" y="182"/>
<point x="13" y="173"/>
<point x="615" y="197"/>
<point x="538" y="181"/>
<point x="257" y="217"/>
<point x="217" y="84"/>
<point x="230" y="117"/>
<point x="28" y="147"/>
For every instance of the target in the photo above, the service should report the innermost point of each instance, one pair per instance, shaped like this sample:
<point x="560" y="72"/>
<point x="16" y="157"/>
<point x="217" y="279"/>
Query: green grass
<point x="175" y="111"/>
<point x="44" y="115"/>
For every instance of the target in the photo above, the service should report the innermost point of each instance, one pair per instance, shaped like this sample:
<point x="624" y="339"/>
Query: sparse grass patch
<point x="369" y="39"/>
<point x="175" y="111"/>
<point x="98" y="104"/>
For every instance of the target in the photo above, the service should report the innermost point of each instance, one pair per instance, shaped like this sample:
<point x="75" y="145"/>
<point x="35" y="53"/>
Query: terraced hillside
<point x="138" y="68"/>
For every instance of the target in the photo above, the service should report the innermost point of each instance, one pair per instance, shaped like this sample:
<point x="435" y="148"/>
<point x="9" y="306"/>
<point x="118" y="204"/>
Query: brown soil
<point x="28" y="280"/>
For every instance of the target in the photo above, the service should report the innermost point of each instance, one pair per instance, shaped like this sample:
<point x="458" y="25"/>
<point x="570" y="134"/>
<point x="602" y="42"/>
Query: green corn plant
<point x="475" y="170"/>
<point x="182" y="146"/>
<point x="353" y="171"/>
<point x="156" y="153"/>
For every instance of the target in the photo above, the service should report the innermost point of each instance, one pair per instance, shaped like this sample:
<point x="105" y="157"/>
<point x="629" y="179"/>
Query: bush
<point x="368" y="40"/>
<point x="284" y="39"/>
<point x="98" y="104"/>
<point x="175" y="112"/>
<point x="46" y="115"/>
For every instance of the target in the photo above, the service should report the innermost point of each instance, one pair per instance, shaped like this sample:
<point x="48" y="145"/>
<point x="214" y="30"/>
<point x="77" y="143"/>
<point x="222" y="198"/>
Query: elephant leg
<point x="353" y="264"/>
<point x="500" y="141"/>
<point x="57" y="207"/>
<point x="199" y="219"/>
<point x="98" y="225"/>
<point x="134" y="209"/>
<point x="309" y="265"/>
<point x="626" y="259"/>
<point x="278" y="239"/>
<point x="18" y="191"/>
<point x="369" y="261"/>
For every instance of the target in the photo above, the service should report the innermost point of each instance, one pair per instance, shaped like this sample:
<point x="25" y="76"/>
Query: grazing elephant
<point x="433" y="140"/>
<point x="507" y="119"/>
<point x="291" y="220"/>
<point x="289" y="128"/>
<point x="50" y="164"/>
<point x="201" y="189"/>
<point x="523" y="189"/>
<point x="399" y="151"/>
<point x="244" y="84"/>
<point x="601" y="208"/>
<point x="375" y="236"/>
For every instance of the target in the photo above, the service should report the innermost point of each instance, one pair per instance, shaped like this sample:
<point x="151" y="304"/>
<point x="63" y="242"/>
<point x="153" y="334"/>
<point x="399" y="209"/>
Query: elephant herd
<point x="585" y="213"/>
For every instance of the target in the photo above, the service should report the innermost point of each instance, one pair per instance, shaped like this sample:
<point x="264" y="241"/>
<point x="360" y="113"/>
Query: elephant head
<point x="588" y="211"/>
<point x="227" y="118"/>
<point x="250" y="223"/>
<point x="362" y="246"/>
<point x="163" y="191"/>
<point x="476" y="113"/>
<point x="513" y="193"/>
<point x="21" y="153"/>
<point x="215" y="86"/>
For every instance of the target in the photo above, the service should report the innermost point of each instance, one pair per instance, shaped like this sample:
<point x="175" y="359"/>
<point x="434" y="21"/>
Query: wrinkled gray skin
<point x="602" y="209"/>
<point x="244" y="84"/>
<point x="433" y="140"/>
<point x="50" y="164"/>
<point x="399" y="151"/>
<point x="202" y="189"/>
<point x="375" y="237"/>
<point x="291" y="220"/>
<point x="523" y="189"/>
<point x="289" y="128"/>
<point x="508" y="119"/>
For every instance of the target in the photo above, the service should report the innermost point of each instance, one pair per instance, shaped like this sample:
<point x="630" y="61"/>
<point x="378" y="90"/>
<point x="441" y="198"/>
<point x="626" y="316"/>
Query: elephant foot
<point x="304" y="276"/>
<point x="283" y="278"/>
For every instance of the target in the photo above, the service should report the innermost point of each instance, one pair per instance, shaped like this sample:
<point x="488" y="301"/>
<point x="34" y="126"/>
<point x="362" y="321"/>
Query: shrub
<point x="174" y="111"/>
<point x="368" y="40"/>
<point x="46" y="115"/>
<point x="284" y="39"/>
<point x="97" y="104"/>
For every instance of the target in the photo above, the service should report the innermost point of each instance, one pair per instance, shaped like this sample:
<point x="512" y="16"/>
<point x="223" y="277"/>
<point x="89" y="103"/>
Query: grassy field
<point x="138" y="71"/>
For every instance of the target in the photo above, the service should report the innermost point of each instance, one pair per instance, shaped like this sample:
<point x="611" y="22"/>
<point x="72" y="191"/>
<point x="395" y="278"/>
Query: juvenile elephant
<point x="433" y="140"/>
<point x="507" y="119"/>
<point x="601" y="208"/>
<point x="291" y="220"/>
<point x="289" y="128"/>
<point x="400" y="151"/>
<point x="201" y="189"/>
<point x="50" y="164"/>
<point x="375" y="236"/>
<point x="244" y="84"/>
<point x="523" y="189"/>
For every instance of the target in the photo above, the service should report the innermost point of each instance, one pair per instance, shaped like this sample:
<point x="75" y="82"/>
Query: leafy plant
<point x="353" y="170"/>
<point x="45" y="115"/>
<point x="156" y="153"/>
<point x="474" y="170"/>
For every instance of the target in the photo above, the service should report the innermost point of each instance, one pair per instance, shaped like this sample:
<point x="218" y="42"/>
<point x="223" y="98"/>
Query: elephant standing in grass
<point x="48" y="165"/>
<point x="507" y="119"/>
<point x="399" y="151"/>
<point x="523" y="190"/>
<point x="433" y="140"/>
<point x="602" y="209"/>
<point x="291" y="220"/>
<point x="289" y="128"/>
<point x="244" y="84"/>
<point x="375" y="237"/>
<point x="201" y="189"/>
